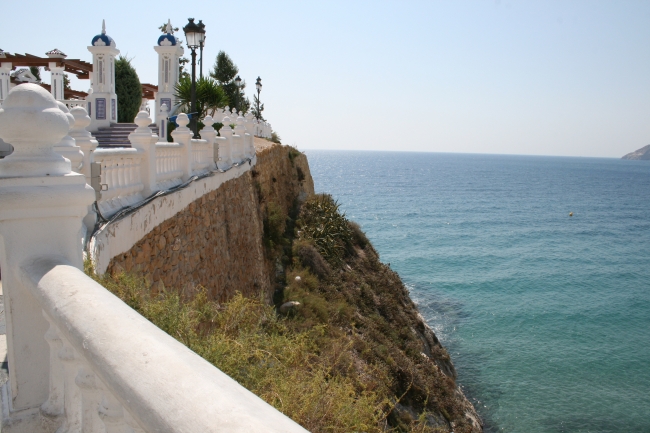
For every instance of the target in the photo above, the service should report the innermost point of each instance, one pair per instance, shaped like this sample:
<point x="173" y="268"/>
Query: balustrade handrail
<point x="102" y="153"/>
<point x="163" y="385"/>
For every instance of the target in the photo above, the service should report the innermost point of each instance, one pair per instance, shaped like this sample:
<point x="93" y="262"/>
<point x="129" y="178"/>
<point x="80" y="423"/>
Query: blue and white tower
<point x="103" y="100"/>
<point x="169" y="52"/>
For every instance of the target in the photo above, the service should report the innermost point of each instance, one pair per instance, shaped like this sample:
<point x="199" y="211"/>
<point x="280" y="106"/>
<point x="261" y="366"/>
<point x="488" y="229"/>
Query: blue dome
<point x="167" y="40"/>
<point x="102" y="41"/>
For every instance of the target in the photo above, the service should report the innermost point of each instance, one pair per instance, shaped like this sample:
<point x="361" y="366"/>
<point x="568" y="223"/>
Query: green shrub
<point x="274" y="224"/>
<point x="327" y="229"/>
<point x="128" y="90"/>
<point x="309" y="257"/>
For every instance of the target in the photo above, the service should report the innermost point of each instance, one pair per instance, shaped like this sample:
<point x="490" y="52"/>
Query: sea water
<point x="546" y="315"/>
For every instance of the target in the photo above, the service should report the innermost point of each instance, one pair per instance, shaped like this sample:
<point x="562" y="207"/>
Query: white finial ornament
<point x="103" y="27"/>
<point x="31" y="121"/>
<point x="169" y="28"/>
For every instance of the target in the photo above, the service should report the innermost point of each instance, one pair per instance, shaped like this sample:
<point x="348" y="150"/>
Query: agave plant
<point x="209" y="96"/>
<point x="326" y="227"/>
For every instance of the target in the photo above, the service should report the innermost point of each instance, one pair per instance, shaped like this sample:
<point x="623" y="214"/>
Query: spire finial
<point x="169" y="28"/>
<point x="103" y="27"/>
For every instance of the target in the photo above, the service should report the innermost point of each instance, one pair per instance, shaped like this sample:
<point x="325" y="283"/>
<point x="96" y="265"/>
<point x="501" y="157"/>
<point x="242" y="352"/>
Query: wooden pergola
<point x="149" y="90"/>
<point x="74" y="66"/>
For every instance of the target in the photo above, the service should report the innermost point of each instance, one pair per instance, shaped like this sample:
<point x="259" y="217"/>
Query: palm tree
<point x="209" y="96"/>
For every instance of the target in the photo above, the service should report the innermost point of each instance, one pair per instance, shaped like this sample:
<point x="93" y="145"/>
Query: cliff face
<point x="643" y="153"/>
<point x="249" y="236"/>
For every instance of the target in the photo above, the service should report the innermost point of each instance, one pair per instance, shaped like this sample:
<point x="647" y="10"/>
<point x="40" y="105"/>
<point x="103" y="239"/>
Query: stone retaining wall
<point x="217" y="241"/>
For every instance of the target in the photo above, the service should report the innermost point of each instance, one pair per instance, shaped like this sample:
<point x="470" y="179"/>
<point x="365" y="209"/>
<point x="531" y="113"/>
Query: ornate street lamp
<point x="202" y="43"/>
<point x="238" y="84"/>
<point x="258" y="86"/>
<point x="194" y="36"/>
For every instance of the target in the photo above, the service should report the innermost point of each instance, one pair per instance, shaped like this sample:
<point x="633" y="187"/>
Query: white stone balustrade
<point x="81" y="360"/>
<point x="71" y="103"/>
<point x="202" y="157"/>
<point x="169" y="165"/>
<point x="121" y="179"/>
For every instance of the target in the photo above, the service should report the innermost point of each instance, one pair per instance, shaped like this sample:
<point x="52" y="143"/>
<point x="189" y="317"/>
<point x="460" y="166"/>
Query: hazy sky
<point x="529" y="77"/>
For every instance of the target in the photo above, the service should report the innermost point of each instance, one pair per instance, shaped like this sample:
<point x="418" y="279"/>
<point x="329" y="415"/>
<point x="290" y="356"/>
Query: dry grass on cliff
<point x="297" y="372"/>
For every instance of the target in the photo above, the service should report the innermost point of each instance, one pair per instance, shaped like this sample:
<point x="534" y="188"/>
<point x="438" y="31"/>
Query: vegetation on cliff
<point x="341" y="349"/>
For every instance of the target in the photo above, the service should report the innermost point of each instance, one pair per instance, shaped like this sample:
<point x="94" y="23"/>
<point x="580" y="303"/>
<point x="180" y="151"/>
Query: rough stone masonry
<point x="217" y="241"/>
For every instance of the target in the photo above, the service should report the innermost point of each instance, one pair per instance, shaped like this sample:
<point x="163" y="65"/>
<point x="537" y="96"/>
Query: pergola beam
<point x="75" y="66"/>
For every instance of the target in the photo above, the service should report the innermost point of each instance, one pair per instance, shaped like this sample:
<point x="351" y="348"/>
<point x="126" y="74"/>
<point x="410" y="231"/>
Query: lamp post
<point x="202" y="42"/>
<point x="194" y="35"/>
<point x="258" y="86"/>
<point x="238" y="85"/>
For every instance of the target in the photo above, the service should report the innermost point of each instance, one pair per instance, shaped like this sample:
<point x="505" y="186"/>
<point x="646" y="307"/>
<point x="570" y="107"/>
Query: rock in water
<point x="643" y="153"/>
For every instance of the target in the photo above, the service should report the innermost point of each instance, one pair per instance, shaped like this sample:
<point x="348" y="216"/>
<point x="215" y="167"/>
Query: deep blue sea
<point x="546" y="316"/>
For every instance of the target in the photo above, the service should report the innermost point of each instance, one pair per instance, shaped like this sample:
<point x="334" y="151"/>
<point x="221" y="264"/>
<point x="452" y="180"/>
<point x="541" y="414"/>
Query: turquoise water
<point x="547" y="316"/>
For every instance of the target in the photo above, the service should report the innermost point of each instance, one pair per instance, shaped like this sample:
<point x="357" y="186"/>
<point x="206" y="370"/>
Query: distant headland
<point x="643" y="153"/>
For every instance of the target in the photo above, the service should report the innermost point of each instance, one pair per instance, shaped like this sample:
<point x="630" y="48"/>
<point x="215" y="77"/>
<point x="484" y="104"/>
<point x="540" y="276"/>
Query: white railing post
<point x="225" y="147"/>
<point x="250" y="132"/>
<point x="67" y="146"/>
<point x="209" y="134"/>
<point x="183" y="136"/>
<point x="83" y="138"/>
<point x="42" y="205"/>
<point x="240" y="137"/>
<point x="145" y="140"/>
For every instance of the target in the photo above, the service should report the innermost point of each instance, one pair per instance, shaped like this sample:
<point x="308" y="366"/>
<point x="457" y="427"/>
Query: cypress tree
<point x="128" y="90"/>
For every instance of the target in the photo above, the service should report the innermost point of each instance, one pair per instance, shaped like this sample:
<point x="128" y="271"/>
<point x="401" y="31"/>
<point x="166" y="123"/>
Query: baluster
<point x="114" y="182"/>
<point x="53" y="406"/>
<point x="90" y="394"/>
<point x="128" y="175"/>
<point x="104" y="177"/>
<point x="111" y="413"/>
<point x="121" y="175"/>
<point x="134" y="174"/>
<point x="71" y="392"/>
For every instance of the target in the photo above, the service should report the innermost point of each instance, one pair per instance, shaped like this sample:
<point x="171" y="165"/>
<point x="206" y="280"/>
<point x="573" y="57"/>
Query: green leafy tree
<point x="209" y="96"/>
<point x="225" y="71"/>
<point x="128" y="90"/>
<point x="36" y="72"/>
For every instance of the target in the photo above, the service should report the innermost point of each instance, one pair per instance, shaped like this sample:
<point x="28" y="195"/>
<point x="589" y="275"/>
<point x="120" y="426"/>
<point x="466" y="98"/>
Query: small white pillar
<point x="5" y="80"/>
<point x="250" y="132"/>
<point x="5" y="76"/>
<point x="239" y="154"/>
<point x="57" y="70"/>
<point x="183" y="135"/>
<point x="42" y="204"/>
<point x="67" y="147"/>
<point x="102" y="99"/>
<point x="145" y="140"/>
<point x="225" y="147"/>
<point x="83" y="138"/>
<point x="209" y="134"/>
<point x="169" y="52"/>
